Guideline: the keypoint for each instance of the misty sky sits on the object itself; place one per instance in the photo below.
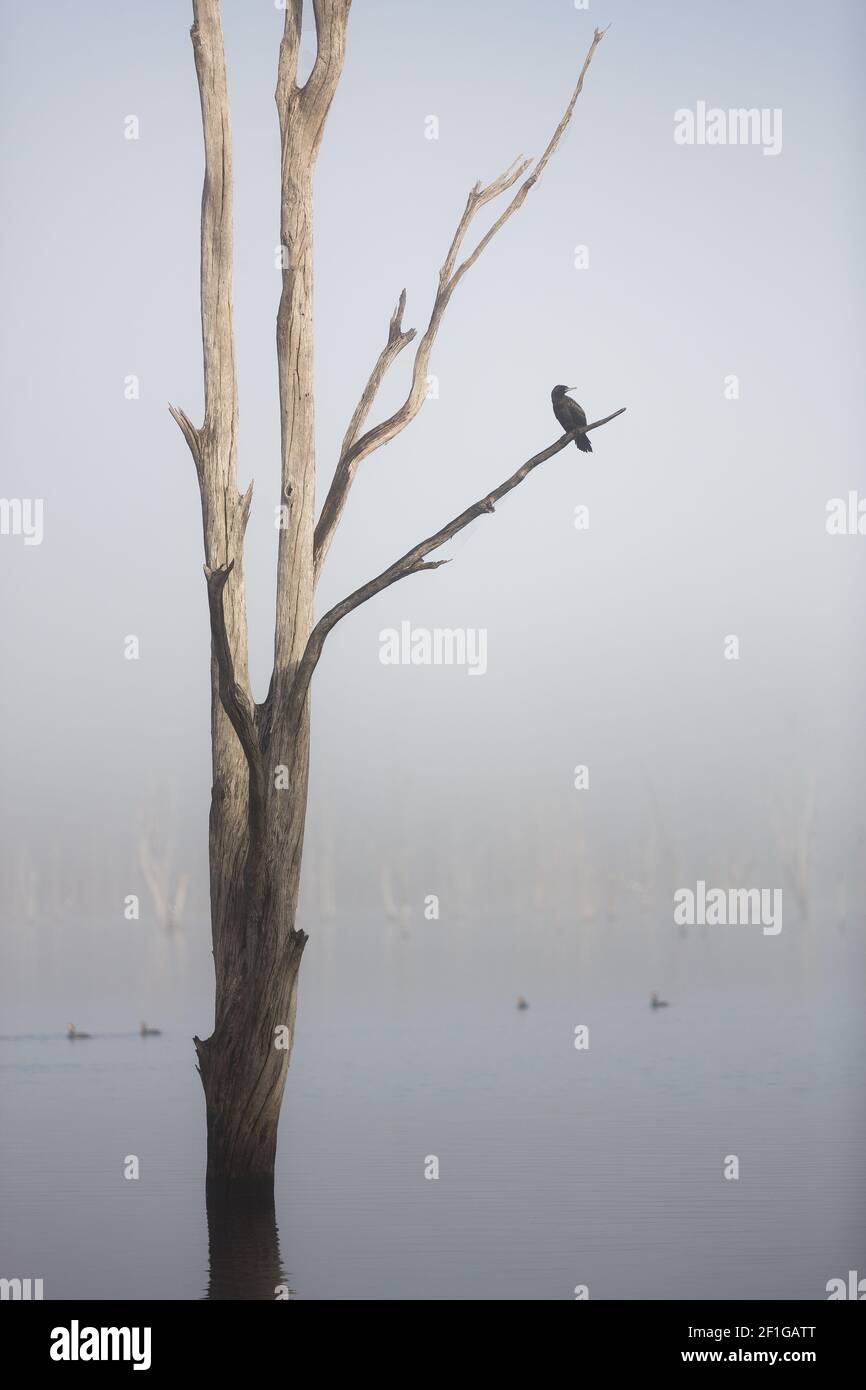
(707, 515)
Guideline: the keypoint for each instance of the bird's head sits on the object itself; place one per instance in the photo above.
(559, 391)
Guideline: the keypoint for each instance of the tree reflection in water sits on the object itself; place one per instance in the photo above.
(244, 1245)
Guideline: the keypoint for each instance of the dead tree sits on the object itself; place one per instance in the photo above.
(795, 838)
(260, 751)
(157, 844)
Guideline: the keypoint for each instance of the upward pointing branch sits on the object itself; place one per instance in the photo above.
(355, 449)
(235, 700)
(213, 444)
(217, 437)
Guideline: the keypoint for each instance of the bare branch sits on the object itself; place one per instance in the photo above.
(246, 503)
(290, 47)
(213, 445)
(190, 434)
(478, 197)
(397, 340)
(449, 278)
(520, 196)
(414, 561)
(241, 712)
(235, 700)
(310, 103)
(220, 382)
(331, 20)
(302, 115)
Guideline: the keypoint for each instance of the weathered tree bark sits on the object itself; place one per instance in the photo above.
(259, 795)
(260, 752)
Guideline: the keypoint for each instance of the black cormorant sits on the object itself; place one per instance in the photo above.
(570, 415)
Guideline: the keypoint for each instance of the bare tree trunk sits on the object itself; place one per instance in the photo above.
(244, 1062)
(261, 751)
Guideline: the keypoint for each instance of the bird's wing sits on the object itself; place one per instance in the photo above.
(569, 413)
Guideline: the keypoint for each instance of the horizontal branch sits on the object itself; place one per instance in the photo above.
(361, 446)
(414, 561)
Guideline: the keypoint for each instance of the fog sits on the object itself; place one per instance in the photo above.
(605, 646)
(640, 779)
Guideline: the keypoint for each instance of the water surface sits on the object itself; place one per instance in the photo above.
(557, 1166)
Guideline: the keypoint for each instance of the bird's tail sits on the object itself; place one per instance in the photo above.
(583, 443)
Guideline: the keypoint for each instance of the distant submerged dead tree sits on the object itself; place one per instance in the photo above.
(167, 884)
(795, 840)
(260, 751)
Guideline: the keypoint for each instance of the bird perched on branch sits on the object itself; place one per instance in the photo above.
(570, 415)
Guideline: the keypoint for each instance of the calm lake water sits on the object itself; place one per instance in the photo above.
(557, 1166)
